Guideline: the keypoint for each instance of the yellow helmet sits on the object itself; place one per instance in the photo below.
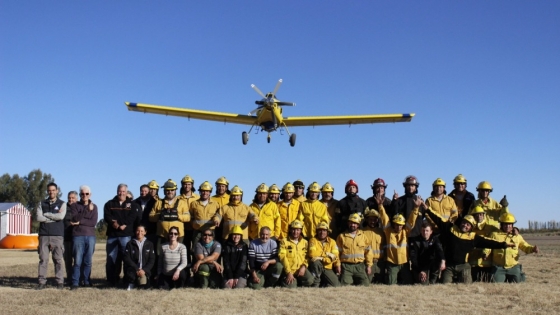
(355, 217)
(477, 210)
(484, 185)
(459, 179)
(327, 188)
(439, 182)
(236, 191)
(371, 213)
(323, 226)
(262, 188)
(507, 218)
(153, 184)
(222, 181)
(289, 188)
(236, 229)
(170, 185)
(296, 224)
(398, 219)
(469, 218)
(273, 189)
(314, 187)
(205, 186)
(187, 179)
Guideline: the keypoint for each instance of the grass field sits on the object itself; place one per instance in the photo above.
(539, 295)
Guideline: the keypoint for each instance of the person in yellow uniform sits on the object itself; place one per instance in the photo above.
(154, 189)
(396, 235)
(202, 211)
(268, 214)
(313, 211)
(481, 265)
(441, 204)
(463, 198)
(289, 209)
(170, 211)
(327, 198)
(235, 213)
(293, 256)
(376, 242)
(274, 193)
(187, 192)
(355, 255)
(491, 207)
(299, 188)
(322, 254)
(506, 261)
(222, 198)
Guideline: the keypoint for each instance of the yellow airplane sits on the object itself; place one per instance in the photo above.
(268, 116)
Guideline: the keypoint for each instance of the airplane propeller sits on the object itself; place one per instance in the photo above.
(269, 99)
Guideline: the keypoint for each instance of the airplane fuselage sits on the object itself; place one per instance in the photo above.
(269, 119)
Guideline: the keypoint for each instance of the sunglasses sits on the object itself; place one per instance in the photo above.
(84, 194)
(209, 235)
(174, 234)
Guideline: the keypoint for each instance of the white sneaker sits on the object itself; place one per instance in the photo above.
(130, 287)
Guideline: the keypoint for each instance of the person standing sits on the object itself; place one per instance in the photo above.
(202, 211)
(491, 207)
(405, 205)
(313, 211)
(235, 213)
(378, 188)
(267, 212)
(349, 205)
(120, 214)
(84, 220)
(68, 243)
(327, 198)
(441, 204)
(298, 193)
(170, 211)
(288, 208)
(463, 198)
(50, 215)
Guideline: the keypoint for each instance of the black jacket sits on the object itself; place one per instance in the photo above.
(131, 256)
(348, 206)
(144, 216)
(405, 205)
(124, 214)
(425, 254)
(235, 259)
(458, 244)
(468, 200)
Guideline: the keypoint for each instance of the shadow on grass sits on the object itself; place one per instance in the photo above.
(32, 282)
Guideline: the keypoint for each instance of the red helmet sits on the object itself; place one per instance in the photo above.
(411, 180)
(351, 183)
(378, 182)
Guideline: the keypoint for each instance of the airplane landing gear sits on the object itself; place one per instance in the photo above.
(268, 138)
(244, 137)
(293, 139)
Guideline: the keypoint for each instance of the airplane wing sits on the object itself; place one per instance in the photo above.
(191, 113)
(297, 121)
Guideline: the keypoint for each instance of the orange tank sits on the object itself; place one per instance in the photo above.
(20, 241)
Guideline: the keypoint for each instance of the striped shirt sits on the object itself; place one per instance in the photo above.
(260, 252)
(171, 260)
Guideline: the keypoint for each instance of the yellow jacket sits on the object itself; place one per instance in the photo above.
(477, 254)
(354, 249)
(508, 257)
(376, 241)
(446, 208)
(288, 213)
(331, 208)
(201, 215)
(301, 198)
(396, 249)
(193, 197)
(268, 216)
(493, 210)
(312, 212)
(231, 215)
(318, 248)
(164, 226)
(222, 200)
(292, 255)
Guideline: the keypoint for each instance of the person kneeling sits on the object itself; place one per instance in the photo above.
(172, 262)
(426, 256)
(139, 258)
(323, 254)
(235, 260)
(293, 252)
(207, 269)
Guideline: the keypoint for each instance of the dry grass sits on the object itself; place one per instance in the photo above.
(540, 294)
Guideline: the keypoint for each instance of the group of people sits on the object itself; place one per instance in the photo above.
(286, 237)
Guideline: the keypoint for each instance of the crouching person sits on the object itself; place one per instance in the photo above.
(323, 254)
(206, 268)
(293, 252)
(355, 254)
(139, 258)
(235, 260)
(426, 256)
(172, 262)
(506, 261)
(265, 269)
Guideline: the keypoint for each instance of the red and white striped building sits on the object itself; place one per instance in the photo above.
(14, 219)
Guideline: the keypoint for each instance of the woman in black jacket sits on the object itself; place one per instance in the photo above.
(139, 258)
(234, 255)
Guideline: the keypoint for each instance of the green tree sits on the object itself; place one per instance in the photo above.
(28, 190)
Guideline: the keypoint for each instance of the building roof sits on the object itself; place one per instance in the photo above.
(5, 206)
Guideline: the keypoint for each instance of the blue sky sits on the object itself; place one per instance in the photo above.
(483, 78)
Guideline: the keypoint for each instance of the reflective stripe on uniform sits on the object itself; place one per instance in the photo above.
(351, 256)
(396, 246)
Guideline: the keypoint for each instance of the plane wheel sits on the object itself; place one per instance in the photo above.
(244, 137)
(293, 139)
(268, 139)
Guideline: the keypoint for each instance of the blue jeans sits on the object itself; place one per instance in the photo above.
(115, 250)
(83, 254)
